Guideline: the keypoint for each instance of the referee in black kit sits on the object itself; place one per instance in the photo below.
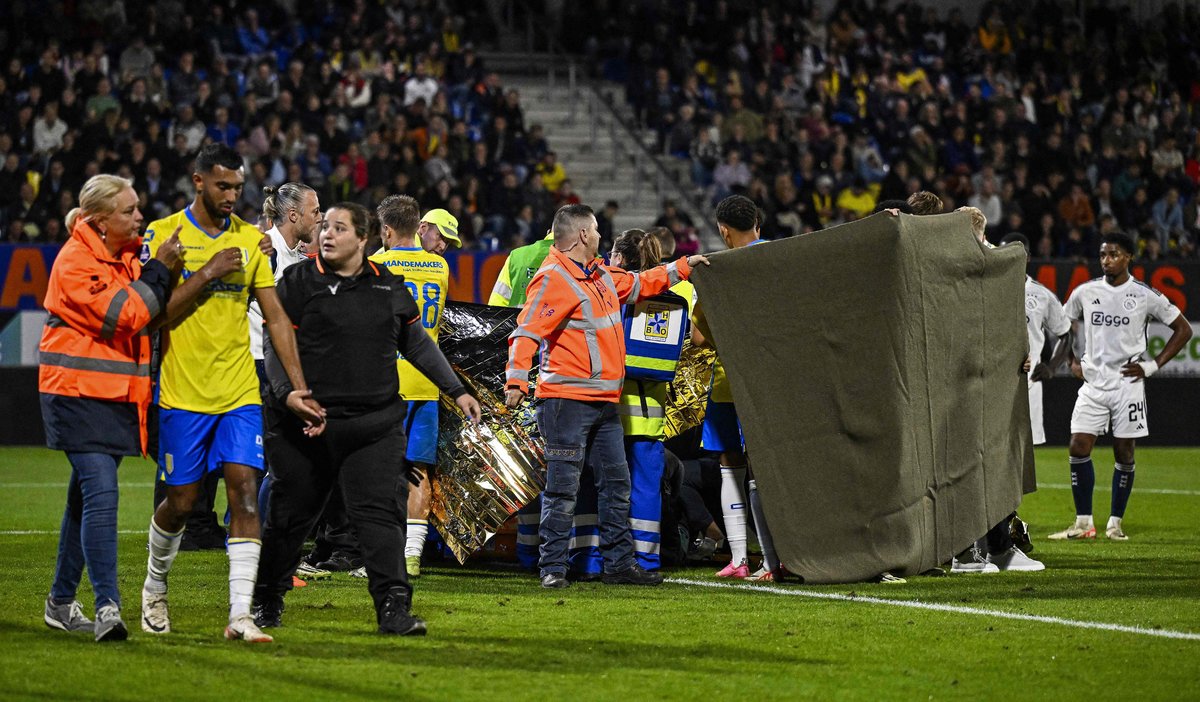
(351, 318)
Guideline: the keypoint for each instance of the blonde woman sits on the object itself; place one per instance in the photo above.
(94, 380)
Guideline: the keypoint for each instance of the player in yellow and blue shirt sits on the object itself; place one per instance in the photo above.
(738, 224)
(211, 416)
(412, 248)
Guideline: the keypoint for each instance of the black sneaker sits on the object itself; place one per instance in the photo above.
(268, 612)
(634, 575)
(395, 619)
(555, 581)
(340, 563)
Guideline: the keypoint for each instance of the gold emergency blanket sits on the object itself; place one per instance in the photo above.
(687, 394)
(487, 472)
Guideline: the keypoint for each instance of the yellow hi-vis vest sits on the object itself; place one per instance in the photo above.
(643, 408)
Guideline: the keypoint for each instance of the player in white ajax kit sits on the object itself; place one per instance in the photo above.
(1113, 312)
(1043, 315)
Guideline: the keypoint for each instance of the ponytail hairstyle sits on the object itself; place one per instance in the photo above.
(279, 201)
(98, 197)
(638, 249)
(666, 240)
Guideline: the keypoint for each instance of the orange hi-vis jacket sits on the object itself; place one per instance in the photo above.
(574, 317)
(96, 344)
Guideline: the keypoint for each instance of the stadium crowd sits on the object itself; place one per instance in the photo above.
(359, 100)
(1060, 126)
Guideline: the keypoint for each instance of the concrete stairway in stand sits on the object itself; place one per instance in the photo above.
(602, 158)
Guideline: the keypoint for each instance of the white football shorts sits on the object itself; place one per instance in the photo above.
(1124, 409)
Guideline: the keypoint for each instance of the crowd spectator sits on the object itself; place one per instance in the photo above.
(358, 100)
(1037, 116)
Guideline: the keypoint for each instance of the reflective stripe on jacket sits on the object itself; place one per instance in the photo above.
(643, 408)
(96, 344)
(574, 316)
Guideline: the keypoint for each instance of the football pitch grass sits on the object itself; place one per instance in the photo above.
(1104, 621)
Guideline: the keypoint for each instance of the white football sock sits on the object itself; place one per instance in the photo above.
(733, 509)
(415, 533)
(163, 548)
(1084, 521)
(1114, 523)
(243, 571)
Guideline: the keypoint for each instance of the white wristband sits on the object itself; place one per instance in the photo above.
(1148, 367)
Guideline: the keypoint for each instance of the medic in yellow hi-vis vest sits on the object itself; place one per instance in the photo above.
(654, 333)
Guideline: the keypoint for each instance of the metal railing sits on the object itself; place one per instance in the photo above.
(621, 129)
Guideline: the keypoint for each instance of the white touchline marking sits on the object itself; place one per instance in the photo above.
(1152, 491)
(63, 485)
(956, 609)
(44, 532)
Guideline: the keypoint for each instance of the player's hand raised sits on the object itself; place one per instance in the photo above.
(170, 252)
(223, 263)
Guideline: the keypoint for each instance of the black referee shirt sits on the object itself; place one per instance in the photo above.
(348, 331)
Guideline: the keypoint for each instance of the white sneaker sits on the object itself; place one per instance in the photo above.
(1115, 533)
(155, 618)
(66, 617)
(109, 626)
(1074, 533)
(1015, 559)
(762, 575)
(973, 560)
(359, 572)
(243, 628)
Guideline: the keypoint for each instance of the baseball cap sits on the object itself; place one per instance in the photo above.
(446, 223)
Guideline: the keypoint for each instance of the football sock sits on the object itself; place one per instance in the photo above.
(243, 570)
(1083, 481)
(764, 532)
(1122, 486)
(733, 509)
(163, 547)
(415, 533)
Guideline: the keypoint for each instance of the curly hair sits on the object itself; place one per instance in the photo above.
(738, 212)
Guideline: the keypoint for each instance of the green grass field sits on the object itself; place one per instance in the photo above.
(494, 634)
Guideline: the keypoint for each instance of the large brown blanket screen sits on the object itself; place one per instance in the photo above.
(876, 371)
